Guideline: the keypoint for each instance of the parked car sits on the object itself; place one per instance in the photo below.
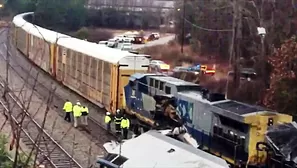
(112, 43)
(179, 69)
(125, 46)
(102, 42)
(158, 66)
(156, 35)
(138, 39)
(124, 38)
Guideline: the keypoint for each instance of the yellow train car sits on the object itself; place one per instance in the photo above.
(96, 72)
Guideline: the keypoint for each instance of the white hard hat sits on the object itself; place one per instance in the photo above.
(78, 103)
(107, 113)
(118, 110)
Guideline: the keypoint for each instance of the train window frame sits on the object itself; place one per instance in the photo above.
(167, 90)
(161, 85)
(152, 82)
(156, 83)
(119, 160)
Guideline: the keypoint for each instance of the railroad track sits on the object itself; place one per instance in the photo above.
(50, 153)
(22, 68)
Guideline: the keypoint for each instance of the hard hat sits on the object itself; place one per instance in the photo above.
(107, 113)
(118, 110)
(78, 103)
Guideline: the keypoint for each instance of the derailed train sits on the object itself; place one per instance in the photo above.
(99, 74)
(96, 72)
(227, 128)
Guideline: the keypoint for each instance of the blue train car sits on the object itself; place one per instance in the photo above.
(227, 128)
(143, 89)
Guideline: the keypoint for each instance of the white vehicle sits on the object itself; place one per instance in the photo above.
(159, 64)
(153, 149)
(112, 43)
(126, 48)
(102, 42)
(124, 38)
(157, 35)
(179, 68)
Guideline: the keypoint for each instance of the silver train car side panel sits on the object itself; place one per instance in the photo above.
(153, 149)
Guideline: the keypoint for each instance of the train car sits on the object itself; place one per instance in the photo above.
(227, 128)
(153, 149)
(96, 72)
(141, 91)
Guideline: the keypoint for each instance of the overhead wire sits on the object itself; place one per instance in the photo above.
(204, 28)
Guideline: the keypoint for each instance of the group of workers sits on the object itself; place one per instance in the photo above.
(122, 123)
(78, 111)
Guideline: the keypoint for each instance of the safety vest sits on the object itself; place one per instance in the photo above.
(117, 120)
(85, 109)
(107, 119)
(125, 123)
(67, 107)
(76, 111)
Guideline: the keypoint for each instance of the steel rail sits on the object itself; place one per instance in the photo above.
(57, 157)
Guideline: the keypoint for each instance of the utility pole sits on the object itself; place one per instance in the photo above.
(236, 41)
(7, 63)
(183, 27)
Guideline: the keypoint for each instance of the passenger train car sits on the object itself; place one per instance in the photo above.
(226, 128)
(96, 72)
(153, 149)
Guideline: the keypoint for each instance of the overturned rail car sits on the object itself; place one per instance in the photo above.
(153, 149)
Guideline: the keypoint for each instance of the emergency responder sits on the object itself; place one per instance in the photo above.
(125, 124)
(107, 120)
(84, 113)
(117, 120)
(68, 109)
(76, 113)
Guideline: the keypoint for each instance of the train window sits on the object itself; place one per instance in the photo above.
(152, 82)
(161, 85)
(188, 88)
(167, 90)
(110, 156)
(119, 160)
(234, 124)
(156, 84)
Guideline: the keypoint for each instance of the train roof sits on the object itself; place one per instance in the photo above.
(47, 35)
(163, 78)
(230, 108)
(137, 76)
(152, 149)
(104, 53)
(172, 80)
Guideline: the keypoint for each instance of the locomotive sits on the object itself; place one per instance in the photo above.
(226, 128)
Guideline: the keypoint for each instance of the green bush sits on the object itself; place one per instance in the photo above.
(82, 33)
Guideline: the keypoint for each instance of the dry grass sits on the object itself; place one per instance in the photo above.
(171, 54)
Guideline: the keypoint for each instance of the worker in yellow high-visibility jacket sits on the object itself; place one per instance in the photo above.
(125, 124)
(85, 113)
(107, 120)
(68, 110)
(76, 113)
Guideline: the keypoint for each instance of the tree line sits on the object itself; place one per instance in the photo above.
(209, 24)
(71, 15)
